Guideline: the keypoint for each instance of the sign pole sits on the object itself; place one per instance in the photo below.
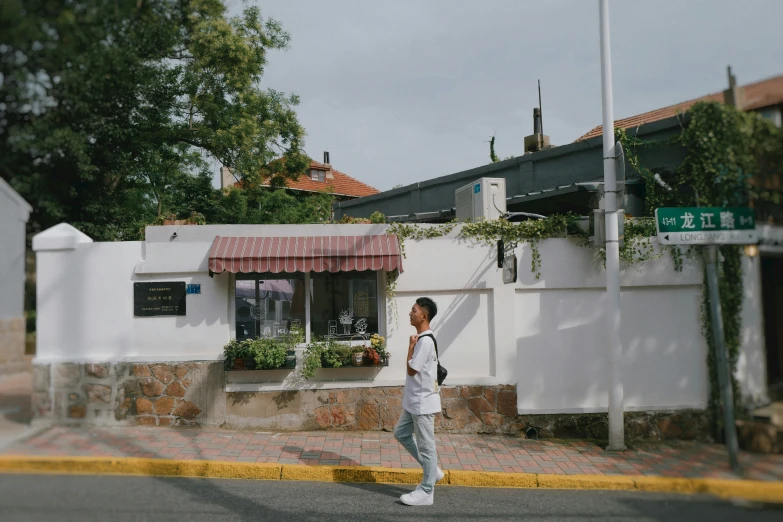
(727, 396)
(616, 420)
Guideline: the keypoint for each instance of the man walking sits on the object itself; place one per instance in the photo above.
(420, 403)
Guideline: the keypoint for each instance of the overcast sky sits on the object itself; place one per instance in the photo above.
(400, 91)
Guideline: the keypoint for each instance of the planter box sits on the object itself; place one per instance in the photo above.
(250, 365)
(384, 362)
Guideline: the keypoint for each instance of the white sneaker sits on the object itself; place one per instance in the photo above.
(418, 497)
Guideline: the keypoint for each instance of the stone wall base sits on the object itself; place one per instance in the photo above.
(465, 409)
(177, 394)
(150, 394)
(12, 345)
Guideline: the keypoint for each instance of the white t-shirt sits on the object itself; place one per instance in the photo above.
(422, 393)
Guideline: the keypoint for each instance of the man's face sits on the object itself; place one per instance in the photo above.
(417, 315)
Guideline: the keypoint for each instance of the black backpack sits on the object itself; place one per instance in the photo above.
(442, 372)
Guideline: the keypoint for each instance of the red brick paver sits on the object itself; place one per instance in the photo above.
(456, 452)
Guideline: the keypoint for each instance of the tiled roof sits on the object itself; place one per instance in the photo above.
(341, 185)
(756, 95)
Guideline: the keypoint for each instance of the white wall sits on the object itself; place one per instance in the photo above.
(546, 335)
(85, 309)
(13, 218)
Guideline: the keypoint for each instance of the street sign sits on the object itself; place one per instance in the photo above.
(705, 226)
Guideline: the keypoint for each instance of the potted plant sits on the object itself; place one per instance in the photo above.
(269, 354)
(337, 354)
(239, 355)
(378, 345)
(357, 355)
(312, 358)
(294, 337)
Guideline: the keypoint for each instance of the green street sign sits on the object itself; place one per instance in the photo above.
(705, 226)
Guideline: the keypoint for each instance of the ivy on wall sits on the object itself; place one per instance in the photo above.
(732, 159)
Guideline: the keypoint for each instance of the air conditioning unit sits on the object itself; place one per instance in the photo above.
(483, 199)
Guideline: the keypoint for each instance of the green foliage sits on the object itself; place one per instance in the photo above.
(377, 217)
(107, 107)
(268, 353)
(729, 153)
(733, 159)
(324, 353)
(492, 156)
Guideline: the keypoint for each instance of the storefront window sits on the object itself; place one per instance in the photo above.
(269, 306)
(342, 305)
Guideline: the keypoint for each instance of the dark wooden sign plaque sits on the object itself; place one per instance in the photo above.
(157, 299)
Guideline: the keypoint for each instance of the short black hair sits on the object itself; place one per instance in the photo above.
(429, 306)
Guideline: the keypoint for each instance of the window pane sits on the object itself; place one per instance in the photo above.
(267, 305)
(344, 304)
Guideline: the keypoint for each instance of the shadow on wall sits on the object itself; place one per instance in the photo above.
(564, 364)
(558, 375)
(451, 322)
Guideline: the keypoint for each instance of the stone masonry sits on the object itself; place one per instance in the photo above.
(188, 393)
(150, 394)
(12, 345)
(465, 409)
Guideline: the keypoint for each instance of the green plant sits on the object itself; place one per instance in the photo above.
(268, 353)
(312, 358)
(732, 159)
(338, 354)
(325, 353)
(378, 343)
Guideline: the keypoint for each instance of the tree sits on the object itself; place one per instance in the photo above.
(105, 106)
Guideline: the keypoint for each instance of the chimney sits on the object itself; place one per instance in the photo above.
(536, 141)
(227, 179)
(734, 95)
(328, 165)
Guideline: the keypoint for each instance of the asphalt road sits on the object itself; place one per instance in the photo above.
(78, 498)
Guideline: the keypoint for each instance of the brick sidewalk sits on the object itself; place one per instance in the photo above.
(456, 452)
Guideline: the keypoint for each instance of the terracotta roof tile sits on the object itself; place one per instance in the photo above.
(756, 95)
(341, 185)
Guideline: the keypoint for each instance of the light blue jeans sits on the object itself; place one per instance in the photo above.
(422, 448)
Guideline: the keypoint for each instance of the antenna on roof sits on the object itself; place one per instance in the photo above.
(539, 107)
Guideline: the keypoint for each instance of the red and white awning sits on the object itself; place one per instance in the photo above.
(305, 254)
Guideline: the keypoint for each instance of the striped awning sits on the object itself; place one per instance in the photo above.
(305, 254)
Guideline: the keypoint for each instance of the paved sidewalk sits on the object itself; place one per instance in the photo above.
(456, 452)
(15, 408)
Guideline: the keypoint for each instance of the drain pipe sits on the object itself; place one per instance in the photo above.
(616, 425)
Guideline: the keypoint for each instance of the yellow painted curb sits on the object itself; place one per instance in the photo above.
(667, 485)
(489, 479)
(141, 466)
(585, 482)
(752, 490)
(351, 474)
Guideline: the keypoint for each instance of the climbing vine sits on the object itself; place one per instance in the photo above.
(732, 159)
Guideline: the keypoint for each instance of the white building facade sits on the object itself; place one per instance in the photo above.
(522, 354)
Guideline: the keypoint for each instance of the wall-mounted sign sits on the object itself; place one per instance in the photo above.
(161, 298)
(510, 269)
(194, 289)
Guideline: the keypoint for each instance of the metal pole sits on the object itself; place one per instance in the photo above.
(616, 425)
(727, 395)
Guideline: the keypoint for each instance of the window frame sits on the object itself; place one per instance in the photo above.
(380, 278)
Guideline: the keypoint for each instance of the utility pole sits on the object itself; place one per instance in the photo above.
(727, 395)
(616, 421)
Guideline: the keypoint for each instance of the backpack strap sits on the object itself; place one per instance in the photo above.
(434, 341)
